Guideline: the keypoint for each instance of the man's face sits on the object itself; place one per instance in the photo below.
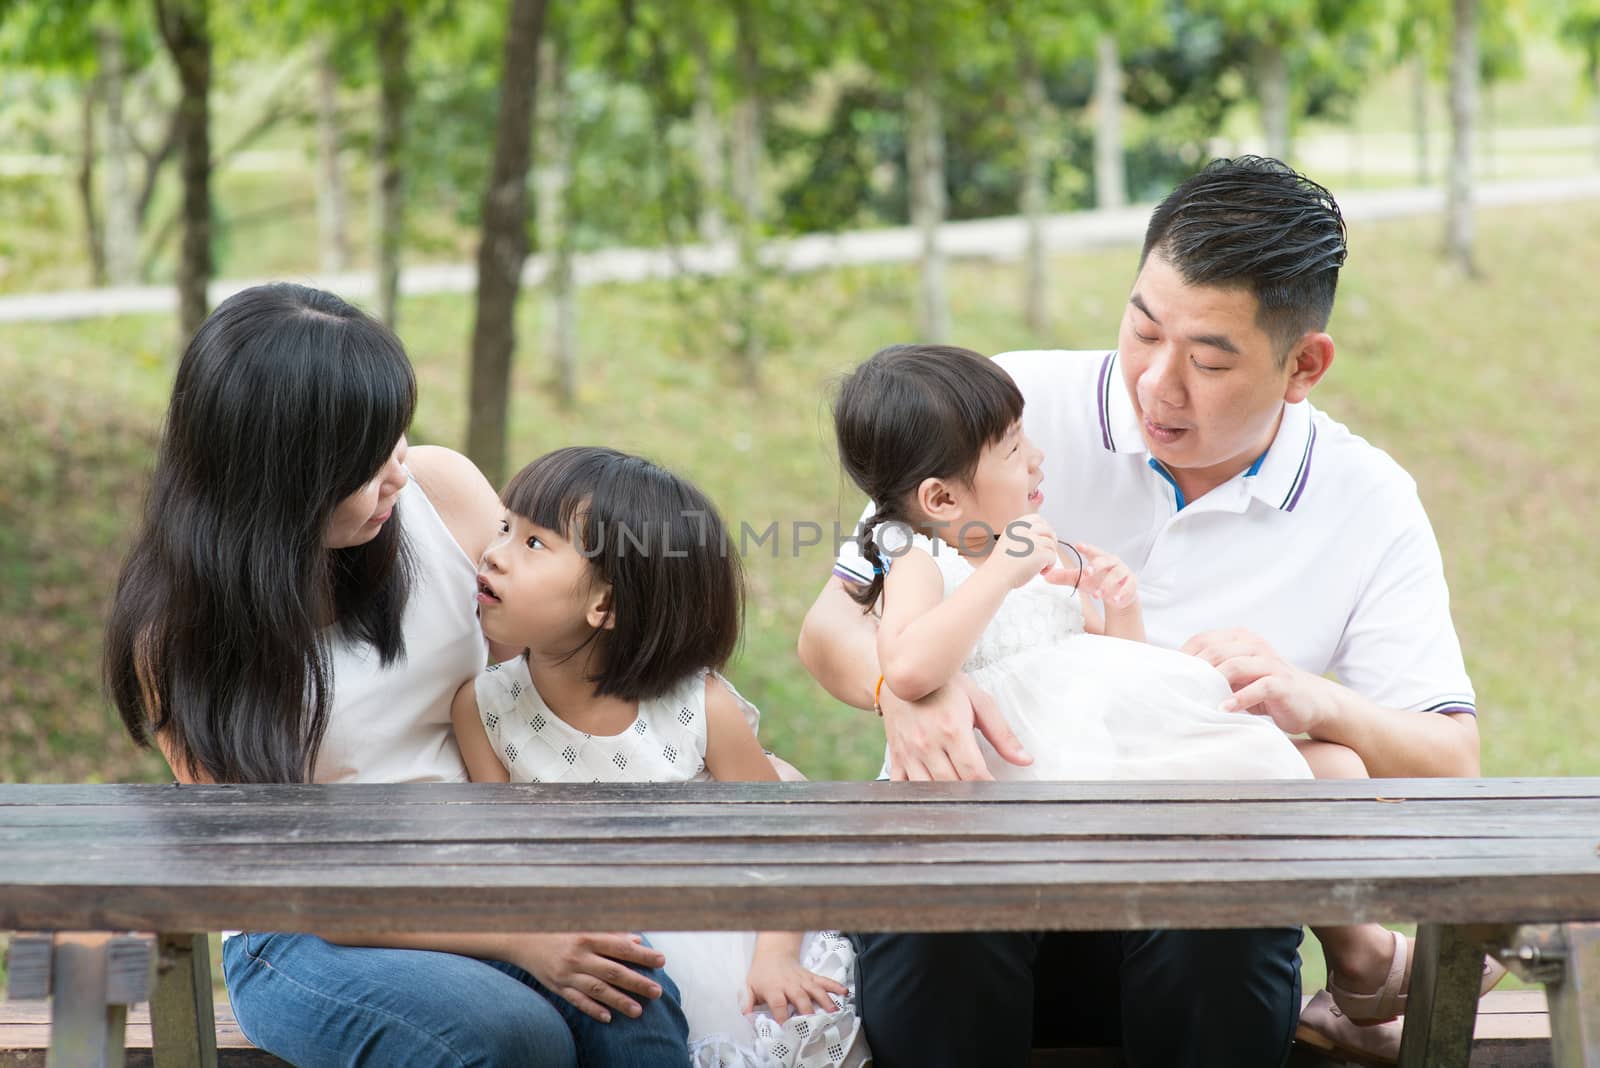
(1203, 376)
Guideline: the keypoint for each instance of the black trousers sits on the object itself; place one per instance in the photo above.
(1170, 999)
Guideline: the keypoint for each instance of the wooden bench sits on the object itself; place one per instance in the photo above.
(1472, 861)
(1513, 1031)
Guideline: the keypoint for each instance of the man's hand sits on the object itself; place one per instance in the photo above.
(931, 739)
(590, 970)
(1266, 684)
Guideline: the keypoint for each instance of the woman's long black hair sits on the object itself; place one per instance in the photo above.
(910, 413)
(286, 402)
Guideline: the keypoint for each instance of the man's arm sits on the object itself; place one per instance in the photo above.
(839, 645)
(1392, 742)
(927, 739)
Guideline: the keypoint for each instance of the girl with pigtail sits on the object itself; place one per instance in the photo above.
(968, 577)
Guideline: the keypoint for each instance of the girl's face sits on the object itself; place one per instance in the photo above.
(357, 519)
(536, 590)
(1005, 485)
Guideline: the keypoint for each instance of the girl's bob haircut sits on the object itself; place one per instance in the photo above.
(677, 587)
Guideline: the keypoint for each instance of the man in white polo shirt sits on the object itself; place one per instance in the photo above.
(1268, 539)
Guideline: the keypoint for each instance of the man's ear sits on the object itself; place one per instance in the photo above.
(599, 614)
(1308, 361)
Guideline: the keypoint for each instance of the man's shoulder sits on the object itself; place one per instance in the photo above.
(1362, 470)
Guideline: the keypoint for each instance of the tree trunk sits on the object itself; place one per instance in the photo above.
(121, 225)
(91, 214)
(1110, 170)
(504, 245)
(553, 173)
(332, 204)
(1272, 88)
(747, 193)
(707, 145)
(1035, 164)
(394, 92)
(1463, 109)
(188, 39)
(1419, 116)
(925, 171)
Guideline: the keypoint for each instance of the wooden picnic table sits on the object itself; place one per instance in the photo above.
(1474, 862)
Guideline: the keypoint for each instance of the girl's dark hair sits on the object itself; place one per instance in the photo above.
(677, 587)
(1255, 223)
(910, 413)
(286, 401)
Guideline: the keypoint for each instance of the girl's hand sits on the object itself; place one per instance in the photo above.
(1026, 548)
(780, 981)
(1107, 577)
(591, 970)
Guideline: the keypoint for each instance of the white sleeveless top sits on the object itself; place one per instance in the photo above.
(666, 742)
(392, 724)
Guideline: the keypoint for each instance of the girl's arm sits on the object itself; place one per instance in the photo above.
(476, 751)
(776, 978)
(924, 636)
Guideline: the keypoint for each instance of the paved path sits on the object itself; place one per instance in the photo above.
(999, 239)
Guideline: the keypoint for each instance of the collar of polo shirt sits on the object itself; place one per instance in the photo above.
(1278, 477)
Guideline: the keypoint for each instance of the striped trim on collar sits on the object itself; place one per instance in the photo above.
(1282, 475)
(1104, 400)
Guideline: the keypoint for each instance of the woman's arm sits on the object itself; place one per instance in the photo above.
(466, 502)
(839, 645)
(476, 751)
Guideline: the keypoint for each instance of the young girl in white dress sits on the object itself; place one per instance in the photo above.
(970, 578)
(620, 582)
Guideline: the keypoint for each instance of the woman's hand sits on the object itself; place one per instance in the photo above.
(779, 981)
(590, 970)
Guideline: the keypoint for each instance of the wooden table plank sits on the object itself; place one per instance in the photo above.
(916, 856)
(1128, 792)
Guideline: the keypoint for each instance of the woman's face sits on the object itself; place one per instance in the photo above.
(360, 516)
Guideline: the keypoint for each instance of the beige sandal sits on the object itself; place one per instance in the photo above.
(1323, 1027)
(1389, 1000)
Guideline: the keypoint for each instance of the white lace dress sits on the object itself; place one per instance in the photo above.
(1093, 707)
(667, 743)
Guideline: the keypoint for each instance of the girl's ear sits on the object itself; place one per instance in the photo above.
(598, 614)
(939, 500)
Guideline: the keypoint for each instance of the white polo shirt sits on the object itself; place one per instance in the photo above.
(1322, 547)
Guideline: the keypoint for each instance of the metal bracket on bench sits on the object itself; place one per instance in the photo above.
(1566, 959)
(91, 979)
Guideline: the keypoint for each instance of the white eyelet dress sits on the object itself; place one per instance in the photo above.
(667, 743)
(1090, 707)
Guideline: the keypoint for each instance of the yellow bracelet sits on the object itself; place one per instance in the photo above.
(877, 692)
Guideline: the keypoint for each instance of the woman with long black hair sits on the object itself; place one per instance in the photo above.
(298, 607)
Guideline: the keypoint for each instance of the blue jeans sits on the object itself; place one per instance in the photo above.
(314, 1003)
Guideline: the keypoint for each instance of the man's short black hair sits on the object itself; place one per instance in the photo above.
(1255, 223)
